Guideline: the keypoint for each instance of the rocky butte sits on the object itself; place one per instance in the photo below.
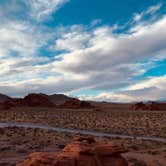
(43, 100)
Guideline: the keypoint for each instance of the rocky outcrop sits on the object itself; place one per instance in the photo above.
(38, 100)
(6, 105)
(82, 151)
(150, 106)
(3, 98)
(76, 104)
(59, 99)
(31, 100)
(43, 100)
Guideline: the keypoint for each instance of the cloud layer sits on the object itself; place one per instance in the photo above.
(40, 9)
(82, 57)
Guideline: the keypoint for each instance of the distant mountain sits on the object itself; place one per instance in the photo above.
(103, 105)
(59, 99)
(31, 100)
(43, 100)
(3, 98)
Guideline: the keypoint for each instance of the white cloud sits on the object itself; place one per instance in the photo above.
(74, 40)
(41, 9)
(20, 38)
(153, 9)
(144, 42)
(100, 59)
(149, 89)
(111, 60)
(96, 22)
(19, 44)
(110, 97)
(50, 85)
(36, 10)
(158, 82)
(150, 11)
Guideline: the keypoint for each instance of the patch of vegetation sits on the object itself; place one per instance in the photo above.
(136, 162)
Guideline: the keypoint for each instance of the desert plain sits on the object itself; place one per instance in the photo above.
(17, 143)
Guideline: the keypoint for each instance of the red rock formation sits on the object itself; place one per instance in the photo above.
(38, 100)
(31, 100)
(3, 98)
(150, 106)
(43, 100)
(59, 99)
(6, 105)
(76, 104)
(83, 151)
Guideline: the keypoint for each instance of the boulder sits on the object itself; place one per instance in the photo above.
(82, 151)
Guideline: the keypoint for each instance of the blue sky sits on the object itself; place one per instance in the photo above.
(95, 50)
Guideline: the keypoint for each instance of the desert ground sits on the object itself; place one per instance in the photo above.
(144, 123)
(17, 143)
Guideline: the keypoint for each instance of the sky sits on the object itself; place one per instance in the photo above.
(100, 50)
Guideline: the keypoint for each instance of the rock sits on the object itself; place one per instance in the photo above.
(31, 100)
(6, 105)
(3, 98)
(76, 104)
(59, 99)
(82, 151)
(150, 106)
(39, 100)
(43, 100)
(39, 159)
(61, 146)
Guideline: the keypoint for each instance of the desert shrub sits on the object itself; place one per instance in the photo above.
(2, 131)
(136, 162)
